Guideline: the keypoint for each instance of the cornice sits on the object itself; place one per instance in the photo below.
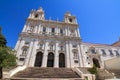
(51, 22)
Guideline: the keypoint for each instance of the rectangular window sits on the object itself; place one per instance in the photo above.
(41, 45)
(61, 47)
(75, 61)
(117, 53)
(44, 29)
(75, 55)
(31, 28)
(111, 53)
(74, 46)
(103, 52)
(27, 43)
(61, 31)
(53, 30)
(21, 59)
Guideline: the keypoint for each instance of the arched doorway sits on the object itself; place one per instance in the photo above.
(38, 60)
(96, 62)
(61, 60)
(50, 61)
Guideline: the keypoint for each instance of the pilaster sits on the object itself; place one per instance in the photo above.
(56, 58)
(19, 51)
(71, 55)
(82, 56)
(17, 44)
(45, 54)
(33, 55)
(36, 28)
(29, 53)
(79, 55)
(67, 55)
(24, 29)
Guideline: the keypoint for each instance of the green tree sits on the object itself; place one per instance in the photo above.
(7, 57)
(93, 70)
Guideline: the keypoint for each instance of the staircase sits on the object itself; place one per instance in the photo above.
(84, 70)
(37, 72)
(103, 74)
(116, 72)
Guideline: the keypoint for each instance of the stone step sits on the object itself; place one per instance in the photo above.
(37, 72)
(45, 79)
(116, 72)
(102, 74)
(84, 70)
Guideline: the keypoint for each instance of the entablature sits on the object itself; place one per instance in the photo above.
(48, 36)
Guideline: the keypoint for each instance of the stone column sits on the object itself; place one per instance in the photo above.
(45, 55)
(67, 56)
(56, 58)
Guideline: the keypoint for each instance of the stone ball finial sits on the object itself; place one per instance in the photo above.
(40, 9)
(68, 13)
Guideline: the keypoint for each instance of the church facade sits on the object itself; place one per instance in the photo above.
(48, 43)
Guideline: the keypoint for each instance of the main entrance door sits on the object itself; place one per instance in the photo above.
(96, 62)
(38, 60)
(61, 60)
(50, 61)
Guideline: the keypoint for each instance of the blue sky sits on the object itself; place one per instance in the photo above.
(99, 20)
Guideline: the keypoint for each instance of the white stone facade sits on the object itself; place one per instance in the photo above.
(48, 43)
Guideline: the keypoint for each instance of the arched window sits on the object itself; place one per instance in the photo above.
(93, 51)
(36, 15)
(70, 20)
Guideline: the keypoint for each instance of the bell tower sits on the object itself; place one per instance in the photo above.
(39, 14)
(68, 18)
